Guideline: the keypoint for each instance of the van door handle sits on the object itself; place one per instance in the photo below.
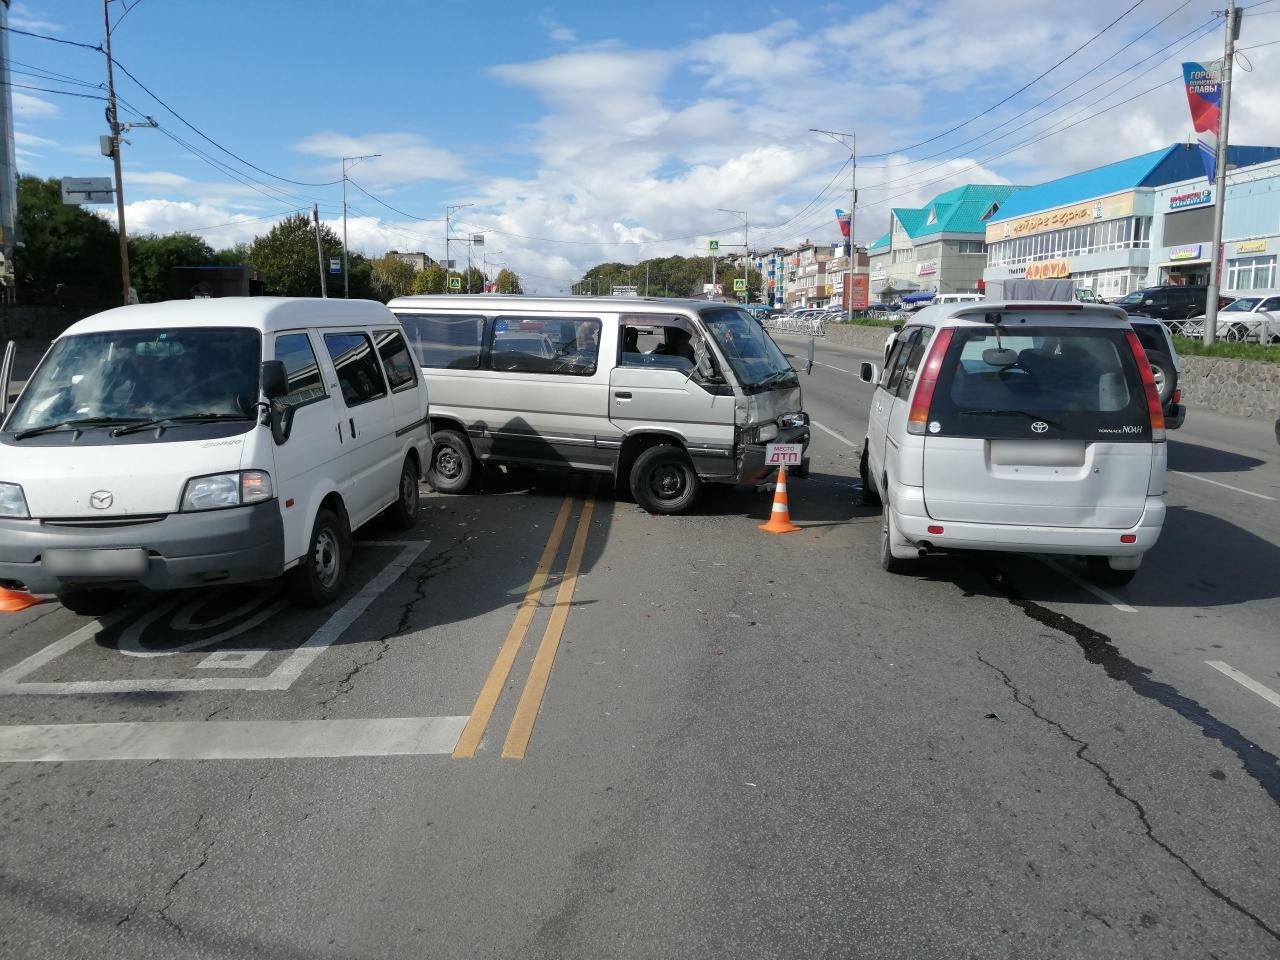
(352, 421)
(623, 395)
(339, 426)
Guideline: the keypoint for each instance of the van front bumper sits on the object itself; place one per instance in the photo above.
(913, 524)
(751, 466)
(236, 545)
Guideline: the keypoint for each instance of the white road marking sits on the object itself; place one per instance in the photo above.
(231, 660)
(230, 739)
(130, 642)
(1246, 681)
(832, 366)
(1086, 585)
(282, 678)
(841, 437)
(1218, 483)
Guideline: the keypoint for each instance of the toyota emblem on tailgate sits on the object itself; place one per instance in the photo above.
(1038, 427)
(100, 499)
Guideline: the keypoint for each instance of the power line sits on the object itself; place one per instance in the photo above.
(1000, 103)
(61, 93)
(43, 36)
(389, 206)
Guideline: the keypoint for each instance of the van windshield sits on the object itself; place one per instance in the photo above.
(1054, 383)
(755, 358)
(142, 375)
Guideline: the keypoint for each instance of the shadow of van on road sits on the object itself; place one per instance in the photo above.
(1194, 458)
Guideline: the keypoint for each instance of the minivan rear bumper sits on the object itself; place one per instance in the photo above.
(237, 545)
(913, 524)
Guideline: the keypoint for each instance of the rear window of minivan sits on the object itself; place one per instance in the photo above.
(1067, 383)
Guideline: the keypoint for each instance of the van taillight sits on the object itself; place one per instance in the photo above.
(919, 415)
(1154, 409)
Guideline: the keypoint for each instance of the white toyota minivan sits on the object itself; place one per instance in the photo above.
(1025, 427)
(214, 441)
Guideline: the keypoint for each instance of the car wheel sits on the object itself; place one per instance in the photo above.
(452, 463)
(1165, 373)
(317, 580)
(1237, 333)
(1101, 571)
(403, 514)
(888, 535)
(868, 496)
(91, 602)
(663, 480)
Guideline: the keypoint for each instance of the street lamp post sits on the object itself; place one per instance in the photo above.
(746, 251)
(448, 212)
(850, 141)
(347, 163)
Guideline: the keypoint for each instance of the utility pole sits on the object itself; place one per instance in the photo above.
(315, 216)
(448, 212)
(346, 266)
(1233, 15)
(850, 141)
(646, 278)
(746, 255)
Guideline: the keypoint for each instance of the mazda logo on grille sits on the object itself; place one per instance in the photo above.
(1039, 426)
(101, 499)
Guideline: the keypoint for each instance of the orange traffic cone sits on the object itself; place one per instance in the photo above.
(780, 519)
(11, 601)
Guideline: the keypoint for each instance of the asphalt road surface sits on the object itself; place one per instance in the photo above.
(547, 724)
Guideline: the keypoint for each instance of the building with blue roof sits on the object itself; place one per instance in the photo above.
(939, 247)
(1096, 226)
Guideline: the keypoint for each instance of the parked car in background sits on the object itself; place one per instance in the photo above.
(1168, 303)
(1252, 316)
(1166, 366)
(1018, 427)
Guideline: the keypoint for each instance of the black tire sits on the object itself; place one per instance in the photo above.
(1101, 571)
(91, 602)
(318, 579)
(888, 562)
(403, 514)
(663, 480)
(452, 463)
(868, 496)
(1166, 374)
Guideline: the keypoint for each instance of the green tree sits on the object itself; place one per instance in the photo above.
(286, 259)
(508, 282)
(430, 280)
(70, 257)
(362, 285)
(233, 256)
(392, 277)
(473, 280)
(152, 259)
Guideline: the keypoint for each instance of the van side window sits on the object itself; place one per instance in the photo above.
(893, 366)
(300, 367)
(395, 359)
(359, 373)
(444, 341)
(570, 347)
(918, 350)
(667, 344)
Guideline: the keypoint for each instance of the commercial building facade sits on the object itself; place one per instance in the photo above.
(1099, 227)
(937, 248)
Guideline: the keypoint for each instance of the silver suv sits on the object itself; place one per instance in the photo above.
(1021, 427)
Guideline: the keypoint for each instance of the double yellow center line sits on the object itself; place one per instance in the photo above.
(535, 687)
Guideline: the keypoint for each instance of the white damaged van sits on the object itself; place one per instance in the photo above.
(216, 441)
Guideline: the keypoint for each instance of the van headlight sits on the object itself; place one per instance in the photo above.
(766, 432)
(221, 490)
(789, 420)
(12, 501)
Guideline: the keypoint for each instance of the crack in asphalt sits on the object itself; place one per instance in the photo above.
(171, 895)
(438, 563)
(1139, 809)
(1260, 764)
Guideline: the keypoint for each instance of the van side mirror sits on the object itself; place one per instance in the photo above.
(274, 380)
(869, 373)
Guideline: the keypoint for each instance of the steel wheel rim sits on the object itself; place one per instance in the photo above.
(667, 481)
(409, 489)
(327, 558)
(448, 463)
(1158, 374)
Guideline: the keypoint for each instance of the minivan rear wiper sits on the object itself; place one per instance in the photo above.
(1012, 413)
(185, 418)
(81, 422)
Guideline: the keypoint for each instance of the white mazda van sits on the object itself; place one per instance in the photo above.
(1026, 427)
(216, 441)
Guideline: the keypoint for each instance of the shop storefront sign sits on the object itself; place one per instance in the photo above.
(1196, 198)
(927, 269)
(1189, 251)
(1107, 208)
(1251, 246)
(1049, 270)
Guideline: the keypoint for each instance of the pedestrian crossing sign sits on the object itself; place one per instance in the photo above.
(713, 246)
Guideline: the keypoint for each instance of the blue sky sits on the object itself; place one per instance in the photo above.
(583, 132)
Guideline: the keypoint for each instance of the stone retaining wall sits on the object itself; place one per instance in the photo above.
(1237, 388)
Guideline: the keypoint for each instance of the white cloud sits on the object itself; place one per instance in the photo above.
(26, 107)
(219, 226)
(24, 139)
(406, 158)
(21, 17)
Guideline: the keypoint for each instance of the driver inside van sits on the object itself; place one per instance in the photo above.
(676, 344)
